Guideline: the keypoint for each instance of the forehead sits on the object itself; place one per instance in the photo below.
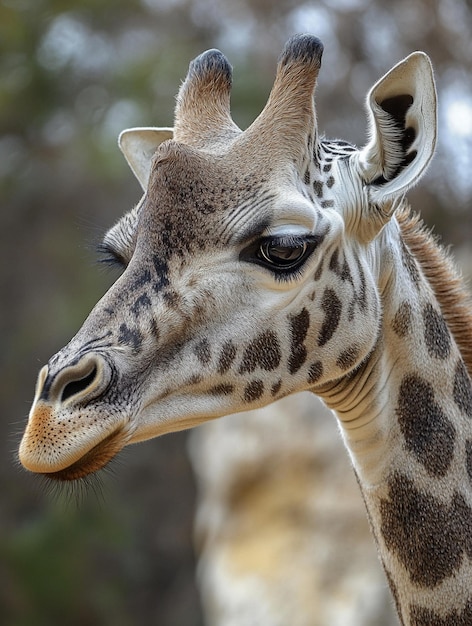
(194, 197)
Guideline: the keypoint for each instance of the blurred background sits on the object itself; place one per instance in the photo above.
(73, 74)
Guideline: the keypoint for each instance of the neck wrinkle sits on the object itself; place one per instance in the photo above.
(361, 402)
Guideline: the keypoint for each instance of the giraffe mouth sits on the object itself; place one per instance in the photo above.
(93, 460)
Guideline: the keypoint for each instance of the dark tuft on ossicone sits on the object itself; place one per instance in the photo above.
(302, 49)
(214, 64)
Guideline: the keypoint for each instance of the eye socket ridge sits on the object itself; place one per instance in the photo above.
(281, 253)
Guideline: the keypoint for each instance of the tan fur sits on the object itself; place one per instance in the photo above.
(202, 115)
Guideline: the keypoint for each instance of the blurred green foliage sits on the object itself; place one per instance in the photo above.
(49, 564)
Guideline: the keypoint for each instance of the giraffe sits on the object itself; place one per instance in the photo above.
(268, 261)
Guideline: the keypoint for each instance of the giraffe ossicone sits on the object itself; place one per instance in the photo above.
(268, 261)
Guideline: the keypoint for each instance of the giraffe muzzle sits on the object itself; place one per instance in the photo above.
(67, 435)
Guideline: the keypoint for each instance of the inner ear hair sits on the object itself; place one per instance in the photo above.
(397, 133)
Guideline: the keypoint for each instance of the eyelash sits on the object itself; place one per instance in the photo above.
(110, 257)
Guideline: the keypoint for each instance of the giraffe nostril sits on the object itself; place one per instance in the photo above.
(75, 387)
(84, 380)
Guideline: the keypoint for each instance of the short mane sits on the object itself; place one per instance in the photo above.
(444, 278)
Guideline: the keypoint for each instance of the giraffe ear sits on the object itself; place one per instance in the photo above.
(139, 145)
(403, 126)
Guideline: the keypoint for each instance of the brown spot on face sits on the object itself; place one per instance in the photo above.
(223, 389)
(253, 390)
(130, 337)
(227, 356)
(203, 351)
(154, 329)
(332, 306)
(141, 303)
(318, 188)
(140, 279)
(429, 435)
(299, 325)
(348, 358)
(422, 616)
(436, 333)
(330, 182)
(463, 389)
(341, 270)
(276, 388)
(263, 352)
(319, 271)
(427, 536)
(161, 269)
(307, 177)
(401, 323)
(315, 372)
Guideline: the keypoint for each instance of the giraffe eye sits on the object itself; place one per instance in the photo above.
(281, 255)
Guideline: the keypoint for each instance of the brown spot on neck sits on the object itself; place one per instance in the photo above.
(429, 435)
(428, 536)
(423, 616)
(440, 272)
(401, 323)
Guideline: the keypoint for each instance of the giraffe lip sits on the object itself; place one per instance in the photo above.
(93, 460)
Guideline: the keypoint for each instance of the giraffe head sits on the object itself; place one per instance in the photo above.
(249, 266)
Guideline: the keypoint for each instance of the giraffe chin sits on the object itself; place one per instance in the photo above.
(92, 461)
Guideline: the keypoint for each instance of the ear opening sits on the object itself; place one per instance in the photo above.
(402, 116)
(138, 146)
(398, 137)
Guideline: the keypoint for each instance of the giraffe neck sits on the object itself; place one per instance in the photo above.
(406, 418)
